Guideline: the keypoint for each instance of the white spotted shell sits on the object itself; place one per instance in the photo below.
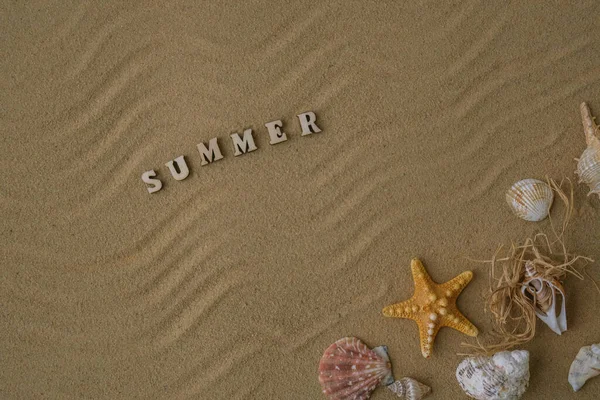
(585, 366)
(588, 165)
(530, 199)
(350, 370)
(504, 376)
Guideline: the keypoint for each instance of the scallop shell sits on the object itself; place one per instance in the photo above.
(504, 376)
(548, 298)
(530, 199)
(588, 165)
(585, 366)
(349, 370)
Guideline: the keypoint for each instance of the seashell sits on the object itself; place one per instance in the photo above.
(588, 165)
(349, 370)
(410, 389)
(530, 199)
(585, 366)
(504, 376)
(548, 298)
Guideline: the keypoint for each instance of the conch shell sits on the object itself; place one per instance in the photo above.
(349, 370)
(504, 376)
(530, 199)
(588, 165)
(409, 389)
(585, 366)
(547, 296)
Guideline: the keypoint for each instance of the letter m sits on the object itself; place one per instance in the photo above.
(210, 154)
(243, 145)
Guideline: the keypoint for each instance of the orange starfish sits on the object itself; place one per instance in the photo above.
(433, 306)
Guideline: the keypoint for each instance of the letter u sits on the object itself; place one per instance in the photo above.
(178, 168)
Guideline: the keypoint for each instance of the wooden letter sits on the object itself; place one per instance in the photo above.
(210, 154)
(307, 122)
(156, 183)
(243, 145)
(274, 129)
(178, 168)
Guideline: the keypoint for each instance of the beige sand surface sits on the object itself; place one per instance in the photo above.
(231, 283)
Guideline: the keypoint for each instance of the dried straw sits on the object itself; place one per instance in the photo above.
(513, 312)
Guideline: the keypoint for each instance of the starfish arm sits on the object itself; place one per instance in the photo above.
(427, 332)
(456, 320)
(405, 309)
(420, 275)
(456, 285)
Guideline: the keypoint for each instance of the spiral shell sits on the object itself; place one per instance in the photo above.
(504, 376)
(585, 366)
(548, 298)
(588, 165)
(409, 389)
(530, 199)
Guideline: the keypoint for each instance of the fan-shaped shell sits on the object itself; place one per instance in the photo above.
(585, 366)
(530, 199)
(504, 376)
(349, 370)
(588, 165)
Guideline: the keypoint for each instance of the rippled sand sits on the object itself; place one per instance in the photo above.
(231, 283)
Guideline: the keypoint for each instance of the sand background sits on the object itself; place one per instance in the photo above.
(231, 283)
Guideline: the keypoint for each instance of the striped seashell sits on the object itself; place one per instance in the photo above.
(504, 376)
(585, 366)
(349, 370)
(530, 199)
(409, 389)
(588, 165)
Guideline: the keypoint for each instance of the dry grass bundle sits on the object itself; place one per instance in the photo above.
(513, 312)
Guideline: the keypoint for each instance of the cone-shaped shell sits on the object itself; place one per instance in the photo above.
(588, 165)
(547, 297)
(409, 389)
(504, 376)
(585, 366)
(350, 370)
(530, 199)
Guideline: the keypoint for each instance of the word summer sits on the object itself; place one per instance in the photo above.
(241, 145)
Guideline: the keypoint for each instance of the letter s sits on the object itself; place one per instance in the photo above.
(156, 183)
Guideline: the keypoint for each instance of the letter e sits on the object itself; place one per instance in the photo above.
(274, 129)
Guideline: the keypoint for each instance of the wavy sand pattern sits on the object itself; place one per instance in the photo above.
(231, 283)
